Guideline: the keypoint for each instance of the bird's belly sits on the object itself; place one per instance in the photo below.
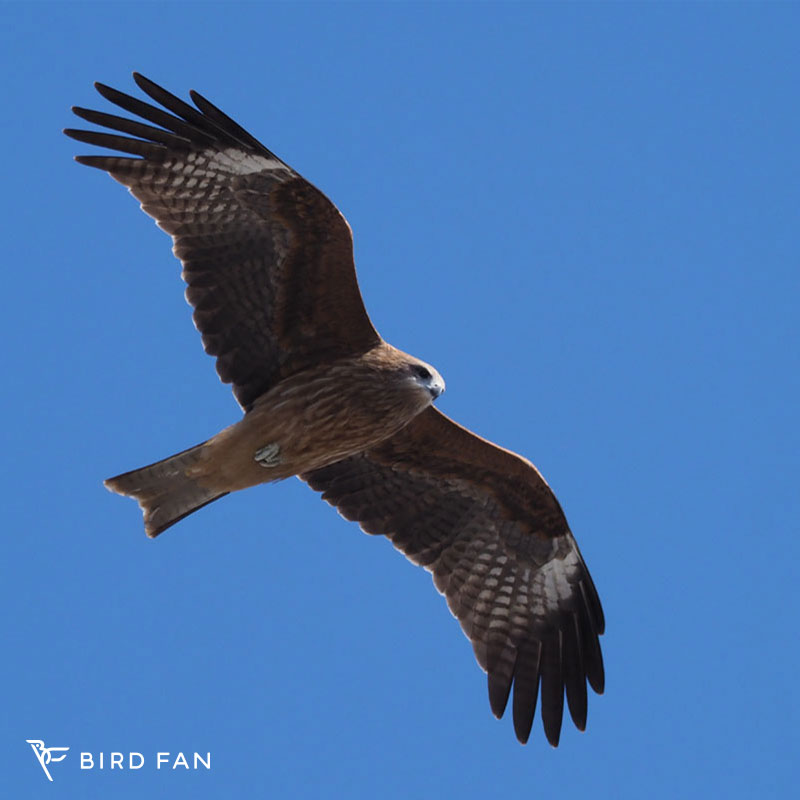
(309, 433)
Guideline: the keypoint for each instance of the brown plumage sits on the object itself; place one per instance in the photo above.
(268, 262)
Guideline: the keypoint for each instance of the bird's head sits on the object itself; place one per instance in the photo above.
(427, 378)
(413, 384)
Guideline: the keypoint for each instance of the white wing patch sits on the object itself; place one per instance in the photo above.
(240, 163)
(196, 171)
(552, 581)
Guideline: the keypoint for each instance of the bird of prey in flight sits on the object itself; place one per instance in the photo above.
(268, 263)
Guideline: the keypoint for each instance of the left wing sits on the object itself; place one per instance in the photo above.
(485, 523)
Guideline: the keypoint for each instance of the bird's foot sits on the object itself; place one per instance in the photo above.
(269, 455)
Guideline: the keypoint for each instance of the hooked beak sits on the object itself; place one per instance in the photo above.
(436, 388)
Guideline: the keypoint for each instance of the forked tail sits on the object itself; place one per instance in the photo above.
(164, 491)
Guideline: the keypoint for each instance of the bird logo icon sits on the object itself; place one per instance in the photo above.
(46, 755)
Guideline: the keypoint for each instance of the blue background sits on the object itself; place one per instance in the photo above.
(586, 217)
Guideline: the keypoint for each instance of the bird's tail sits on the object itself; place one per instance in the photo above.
(164, 491)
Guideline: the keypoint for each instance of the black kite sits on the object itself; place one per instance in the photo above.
(268, 261)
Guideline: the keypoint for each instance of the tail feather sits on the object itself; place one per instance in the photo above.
(164, 491)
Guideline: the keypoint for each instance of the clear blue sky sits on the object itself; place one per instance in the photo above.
(586, 216)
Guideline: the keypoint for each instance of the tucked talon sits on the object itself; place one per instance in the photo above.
(269, 455)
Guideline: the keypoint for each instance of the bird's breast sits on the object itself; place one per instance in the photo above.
(304, 423)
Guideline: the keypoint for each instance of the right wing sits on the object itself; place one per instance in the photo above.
(268, 259)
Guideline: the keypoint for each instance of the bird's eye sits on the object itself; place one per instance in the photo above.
(423, 372)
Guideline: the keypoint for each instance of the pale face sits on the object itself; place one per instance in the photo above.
(426, 378)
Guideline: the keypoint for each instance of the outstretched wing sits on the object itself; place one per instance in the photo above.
(488, 527)
(268, 259)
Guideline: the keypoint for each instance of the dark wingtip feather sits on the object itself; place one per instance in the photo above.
(170, 101)
(596, 671)
(522, 730)
(104, 90)
(124, 144)
(142, 82)
(526, 689)
(552, 682)
(106, 163)
(160, 94)
(575, 674)
(499, 690)
(552, 727)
